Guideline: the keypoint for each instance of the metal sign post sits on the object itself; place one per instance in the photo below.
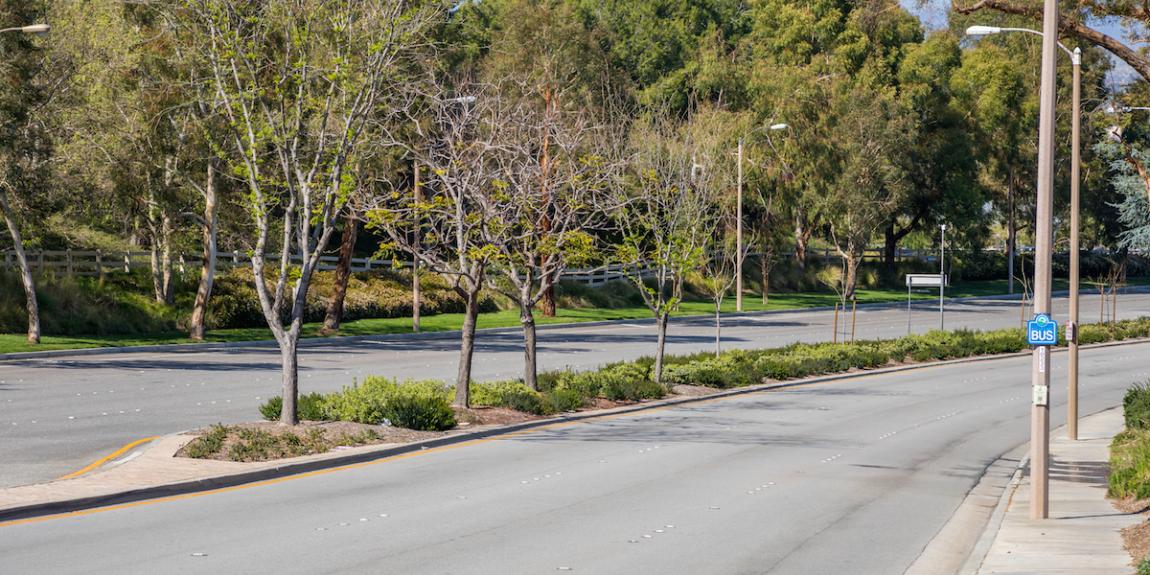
(924, 281)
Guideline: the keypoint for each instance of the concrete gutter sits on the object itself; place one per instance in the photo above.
(332, 341)
(320, 462)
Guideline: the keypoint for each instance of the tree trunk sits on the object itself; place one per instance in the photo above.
(890, 248)
(290, 362)
(25, 271)
(718, 328)
(166, 261)
(197, 324)
(547, 305)
(154, 260)
(467, 347)
(661, 324)
(800, 248)
(851, 278)
(765, 270)
(334, 314)
(530, 367)
(1011, 235)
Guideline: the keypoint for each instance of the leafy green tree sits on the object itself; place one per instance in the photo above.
(300, 84)
(25, 145)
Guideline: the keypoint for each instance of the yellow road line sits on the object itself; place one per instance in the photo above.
(108, 457)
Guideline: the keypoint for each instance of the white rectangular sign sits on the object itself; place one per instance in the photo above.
(924, 280)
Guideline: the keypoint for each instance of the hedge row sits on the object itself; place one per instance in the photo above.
(426, 404)
(421, 405)
(1130, 450)
(569, 390)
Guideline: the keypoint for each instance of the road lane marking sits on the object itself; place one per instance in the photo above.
(107, 458)
(461, 444)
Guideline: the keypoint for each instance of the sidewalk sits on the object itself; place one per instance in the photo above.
(1082, 535)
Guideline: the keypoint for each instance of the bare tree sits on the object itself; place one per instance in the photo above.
(458, 138)
(665, 219)
(298, 81)
(717, 273)
(546, 232)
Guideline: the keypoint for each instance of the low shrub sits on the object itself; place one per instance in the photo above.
(729, 370)
(1136, 406)
(1130, 464)
(510, 394)
(309, 407)
(562, 400)
(207, 444)
(419, 405)
(423, 406)
(632, 389)
(364, 402)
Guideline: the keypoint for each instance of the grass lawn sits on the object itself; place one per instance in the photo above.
(10, 343)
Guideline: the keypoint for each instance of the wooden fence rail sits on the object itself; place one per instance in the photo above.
(99, 263)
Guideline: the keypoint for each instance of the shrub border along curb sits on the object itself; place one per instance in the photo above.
(314, 342)
(303, 467)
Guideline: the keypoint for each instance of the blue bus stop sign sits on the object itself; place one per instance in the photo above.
(1041, 330)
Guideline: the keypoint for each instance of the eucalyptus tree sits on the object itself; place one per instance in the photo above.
(300, 83)
(25, 146)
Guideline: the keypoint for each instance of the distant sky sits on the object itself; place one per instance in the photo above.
(933, 15)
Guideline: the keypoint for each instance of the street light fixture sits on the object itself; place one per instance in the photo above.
(1040, 363)
(739, 222)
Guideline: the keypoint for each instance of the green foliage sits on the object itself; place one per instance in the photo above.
(207, 444)
(632, 390)
(1144, 567)
(309, 407)
(1117, 331)
(1136, 406)
(1130, 464)
(423, 406)
(81, 306)
(563, 400)
(419, 405)
(376, 294)
(510, 394)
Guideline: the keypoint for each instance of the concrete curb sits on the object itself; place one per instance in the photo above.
(302, 467)
(319, 342)
(990, 531)
(982, 545)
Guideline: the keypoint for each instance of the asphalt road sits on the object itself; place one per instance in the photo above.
(852, 477)
(57, 415)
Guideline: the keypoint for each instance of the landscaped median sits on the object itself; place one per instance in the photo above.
(383, 410)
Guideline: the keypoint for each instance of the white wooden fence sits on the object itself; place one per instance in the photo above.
(98, 263)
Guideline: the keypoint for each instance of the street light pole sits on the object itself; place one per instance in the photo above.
(1072, 322)
(942, 279)
(1040, 365)
(739, 220)
(739, 235)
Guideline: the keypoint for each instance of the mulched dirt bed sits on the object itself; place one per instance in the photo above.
(268, 440)
(694, 390)
(1135, 538)
(265, 440)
